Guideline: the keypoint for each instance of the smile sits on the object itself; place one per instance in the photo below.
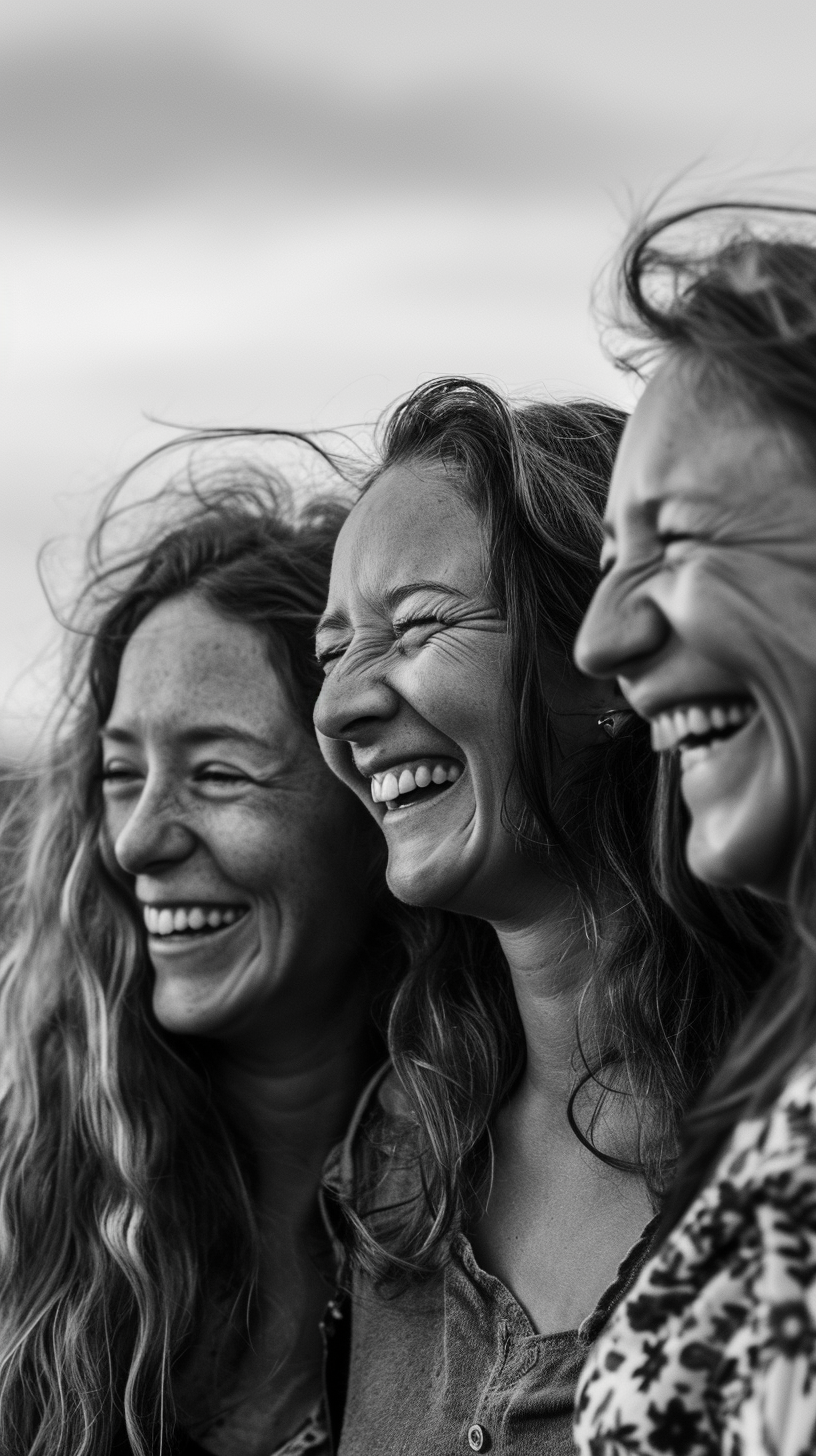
(190, 920)
(417, 781)
(697, 728)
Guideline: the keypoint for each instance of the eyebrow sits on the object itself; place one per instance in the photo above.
(202, 733)
(392, 598)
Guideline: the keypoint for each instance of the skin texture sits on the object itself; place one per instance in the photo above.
(709, 596)
(216, 792)
(415, 658)
(415, 671)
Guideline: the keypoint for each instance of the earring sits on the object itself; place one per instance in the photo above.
(613, 721)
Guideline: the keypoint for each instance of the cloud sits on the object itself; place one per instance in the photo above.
(103, 122)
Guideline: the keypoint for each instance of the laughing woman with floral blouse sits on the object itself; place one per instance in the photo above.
(707, 617)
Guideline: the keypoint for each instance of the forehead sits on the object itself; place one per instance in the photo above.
(186, 664)
(678, 444)
(413, 524)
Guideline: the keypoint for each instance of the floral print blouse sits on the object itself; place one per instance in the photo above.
(713, 1350)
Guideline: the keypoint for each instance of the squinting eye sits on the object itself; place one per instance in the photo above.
(327, 656)
(118, 773)
(220, 776)
(408, 623)
(667, 539)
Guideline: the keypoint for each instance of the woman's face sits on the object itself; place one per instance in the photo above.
(707, 616)
(415, 713)
(250, 861)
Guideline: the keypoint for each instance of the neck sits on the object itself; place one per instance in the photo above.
(296, 1100)
(551, 965)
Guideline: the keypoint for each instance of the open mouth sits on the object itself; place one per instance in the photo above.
(418, 781)
(191, 921)
(697, 729)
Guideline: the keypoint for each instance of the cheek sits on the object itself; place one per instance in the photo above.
(464, 693)
(315, 847)
(250, 851)
(742, 607)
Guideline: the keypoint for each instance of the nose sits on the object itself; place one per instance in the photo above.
(154, 834)
(620, 629)
(352, 702)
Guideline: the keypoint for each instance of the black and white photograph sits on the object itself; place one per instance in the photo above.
(408, 728)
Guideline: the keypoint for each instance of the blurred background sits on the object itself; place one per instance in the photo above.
(265, 212)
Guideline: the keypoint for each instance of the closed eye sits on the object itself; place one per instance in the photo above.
(667, 539)
(220, 774)
(407, 623)
(327, 655)
(119, 773)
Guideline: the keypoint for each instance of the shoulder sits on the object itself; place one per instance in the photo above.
(765, 1178)
(720, 1327)
(778, 1144)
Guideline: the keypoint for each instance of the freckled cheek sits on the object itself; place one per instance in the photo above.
(297, 855)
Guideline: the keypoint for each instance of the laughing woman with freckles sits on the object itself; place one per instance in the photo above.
(190, 920)
(707, 618)
(497, 1189)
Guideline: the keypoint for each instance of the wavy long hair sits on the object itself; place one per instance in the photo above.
(736, 298)
(125, 1196)
(667, 992)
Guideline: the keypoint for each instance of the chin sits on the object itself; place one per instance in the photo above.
(757, 862)
(426, 887)
(179, 1012)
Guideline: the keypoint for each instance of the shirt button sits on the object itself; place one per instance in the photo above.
(477, 1438)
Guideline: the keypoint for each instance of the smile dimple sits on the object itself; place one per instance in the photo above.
(698, 726)
(414, 780)
(203, 919)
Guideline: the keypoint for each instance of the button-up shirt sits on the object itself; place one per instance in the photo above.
(452, 1363)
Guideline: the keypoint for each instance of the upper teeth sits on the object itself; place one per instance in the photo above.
(169, 921)
(404, 778)
(669, 729)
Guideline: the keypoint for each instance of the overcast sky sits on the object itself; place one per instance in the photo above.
(289, 214)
